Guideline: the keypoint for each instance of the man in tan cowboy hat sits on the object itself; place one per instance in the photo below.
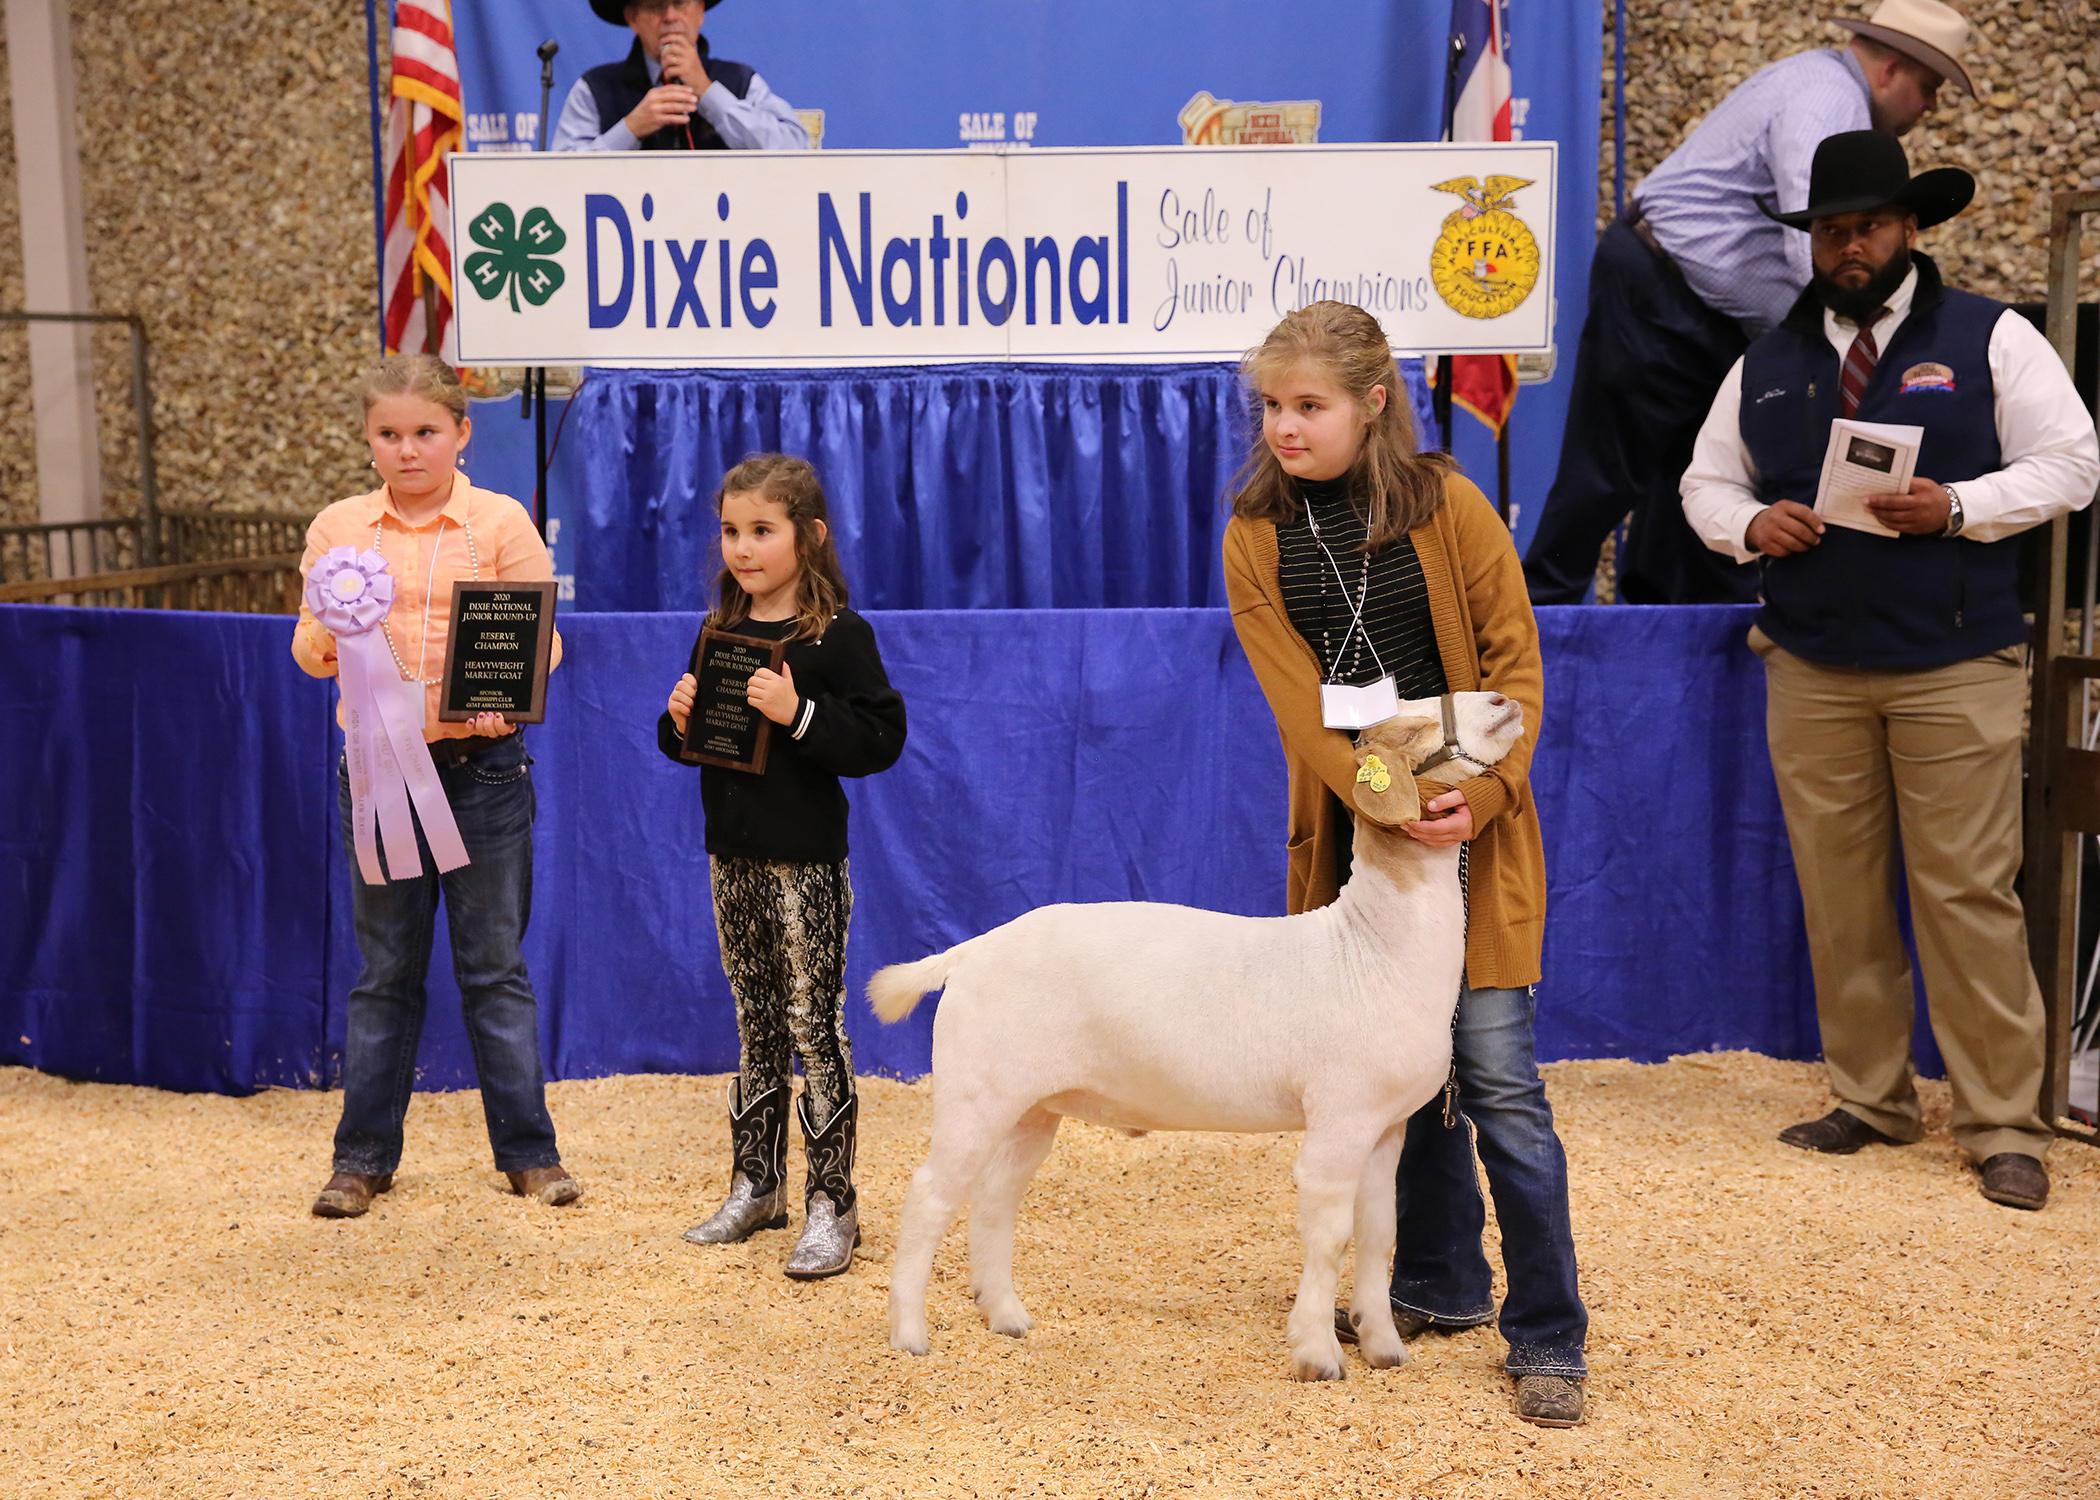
(1692, 273)
(1894, 666)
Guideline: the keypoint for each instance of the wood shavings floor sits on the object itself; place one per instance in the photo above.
(1765, 1322)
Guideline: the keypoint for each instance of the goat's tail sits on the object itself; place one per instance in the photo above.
(895, 992)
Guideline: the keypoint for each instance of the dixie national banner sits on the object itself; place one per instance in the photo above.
(889, 257)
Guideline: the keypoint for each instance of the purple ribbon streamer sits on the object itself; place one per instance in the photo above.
(389, 765)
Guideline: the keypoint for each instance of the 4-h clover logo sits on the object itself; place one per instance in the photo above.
(518, 257)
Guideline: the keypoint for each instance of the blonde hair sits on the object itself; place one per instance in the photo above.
(820, 590)
(1394, 486)
(421, 375)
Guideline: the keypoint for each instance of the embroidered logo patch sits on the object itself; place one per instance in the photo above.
(1771, 395)
(1928, 378)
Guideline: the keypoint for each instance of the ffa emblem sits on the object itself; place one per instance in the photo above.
(1373, 771)
(1928, 378)
(1209, 121)
(1485, 261)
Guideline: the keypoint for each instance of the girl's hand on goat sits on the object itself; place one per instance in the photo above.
(1450, 821)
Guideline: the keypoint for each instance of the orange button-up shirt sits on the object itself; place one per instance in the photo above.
(425, 561)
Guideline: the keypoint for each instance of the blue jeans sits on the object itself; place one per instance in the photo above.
(1439, 1270)
(487, 903)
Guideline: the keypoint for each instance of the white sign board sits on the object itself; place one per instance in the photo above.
(725, 258)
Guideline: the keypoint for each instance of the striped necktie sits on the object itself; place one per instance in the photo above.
(1859, 364)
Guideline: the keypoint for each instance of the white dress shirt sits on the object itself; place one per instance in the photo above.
(2046, 441)
(760, 121)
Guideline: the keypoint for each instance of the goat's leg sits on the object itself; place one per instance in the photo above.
(1330, 1165)
(1370, 1296)
(963, 1138)
(994, 1201)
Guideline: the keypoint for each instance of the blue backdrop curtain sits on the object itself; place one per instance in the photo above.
(174, 897)
(951, 486)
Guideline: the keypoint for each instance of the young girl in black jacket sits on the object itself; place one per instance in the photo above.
(776, 845)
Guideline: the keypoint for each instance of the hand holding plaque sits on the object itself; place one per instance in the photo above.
(498, 653)
(724, 728)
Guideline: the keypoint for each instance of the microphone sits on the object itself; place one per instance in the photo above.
(677, 78)
(546, 50)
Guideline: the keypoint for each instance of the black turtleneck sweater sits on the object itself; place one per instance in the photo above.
(1396, 630)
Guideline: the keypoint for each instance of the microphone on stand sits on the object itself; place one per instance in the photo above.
(535, 397)
(547, 49)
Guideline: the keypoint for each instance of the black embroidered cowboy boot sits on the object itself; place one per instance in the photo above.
(758, 1181)
(832, 1225)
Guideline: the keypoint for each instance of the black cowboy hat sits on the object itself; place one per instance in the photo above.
(615, 11)
(1862, 169)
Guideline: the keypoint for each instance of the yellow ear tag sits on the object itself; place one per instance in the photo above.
(1373, 770)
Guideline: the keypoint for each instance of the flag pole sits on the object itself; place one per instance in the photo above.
(1440, 399)
(1502, 466)
(1509, 412)
(378, 161)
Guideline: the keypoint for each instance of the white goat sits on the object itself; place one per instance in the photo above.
(1143, 1016)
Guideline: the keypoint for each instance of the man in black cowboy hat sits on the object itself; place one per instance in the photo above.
(670, 94)
(1894, 658)
(1689, 274)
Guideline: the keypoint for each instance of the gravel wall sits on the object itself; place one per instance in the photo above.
(228, 192)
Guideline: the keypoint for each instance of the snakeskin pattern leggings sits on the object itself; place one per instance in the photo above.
(782, 928)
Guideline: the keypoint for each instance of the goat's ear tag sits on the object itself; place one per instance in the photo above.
(1373, 771)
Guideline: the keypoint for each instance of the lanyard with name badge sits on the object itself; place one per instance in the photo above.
(1343, 706)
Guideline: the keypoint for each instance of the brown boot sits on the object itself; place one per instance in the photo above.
(1839, 1133)
(1549, 1400)
(1410, 1324)
(553, 1185)
(349, 1194)
(2015, 1179)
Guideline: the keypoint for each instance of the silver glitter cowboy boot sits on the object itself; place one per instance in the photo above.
(832, 1222)
(758, 1182)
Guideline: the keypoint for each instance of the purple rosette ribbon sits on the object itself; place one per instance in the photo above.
(350, 593)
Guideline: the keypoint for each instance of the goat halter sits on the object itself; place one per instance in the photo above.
(1451, 749)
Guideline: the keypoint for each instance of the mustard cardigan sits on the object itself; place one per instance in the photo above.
(1489, 641)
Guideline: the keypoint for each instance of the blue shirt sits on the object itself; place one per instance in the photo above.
(1758, 143)
(760, 121)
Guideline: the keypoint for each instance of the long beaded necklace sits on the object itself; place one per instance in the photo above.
(429, 583)
(1358, 632)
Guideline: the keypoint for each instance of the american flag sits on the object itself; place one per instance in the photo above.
(425, 120)
(1484, 384)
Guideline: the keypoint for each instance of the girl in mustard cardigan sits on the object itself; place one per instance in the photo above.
(1352, 558)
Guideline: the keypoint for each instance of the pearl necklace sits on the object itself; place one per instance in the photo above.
(1363, 595)
(429, 581)
(1358, 633)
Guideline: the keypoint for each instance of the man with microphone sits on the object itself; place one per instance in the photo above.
(669, 94)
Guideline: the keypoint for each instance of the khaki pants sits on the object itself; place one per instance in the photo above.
(1928, 762)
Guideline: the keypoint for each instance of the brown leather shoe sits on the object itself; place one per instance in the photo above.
(1839, 1133)
(2015, 1179)
(349, 1194)
(553, 1185)
(1549, 1400)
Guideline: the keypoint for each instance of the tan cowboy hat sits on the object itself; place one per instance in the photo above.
(1924, 31)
